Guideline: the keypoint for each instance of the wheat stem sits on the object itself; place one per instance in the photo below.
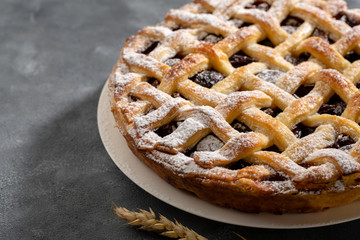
(147, 221)
(239, 236)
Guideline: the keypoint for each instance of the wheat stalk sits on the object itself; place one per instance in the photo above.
(147, 221)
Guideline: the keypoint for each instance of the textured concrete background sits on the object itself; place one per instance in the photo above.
(56, 179)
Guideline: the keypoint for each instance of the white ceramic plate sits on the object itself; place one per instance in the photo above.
(144, 177)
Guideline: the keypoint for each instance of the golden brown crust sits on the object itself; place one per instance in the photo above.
(305, 174)
(251, 201)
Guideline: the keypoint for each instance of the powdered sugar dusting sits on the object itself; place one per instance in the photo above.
(209, 143)
(213, 3)
(260, 15)
(144, 123)
(289, 29)
(160, 32)
(244, 142)
(174, 43)
(281, 97)
(270, 76)
(156, 95)
(295, 77)
(178, 163)
(345, 161)
(201, 19)
(142, 61)
(122, 81)
(181, 135)
(205, 95)
(280, 187)
(311, 143)
(318, 174)
(172, 61)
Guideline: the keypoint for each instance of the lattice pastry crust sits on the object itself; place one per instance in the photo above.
(250, 104)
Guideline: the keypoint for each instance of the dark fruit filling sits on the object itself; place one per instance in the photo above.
(297, 60)
(240, 59)
(291, 24)
(270, 76)
(239, 165)
(273, 148)
(267, 43)
(207, 78)
(292, 21)
(301, 130)
(239, 23)
(277, 177)
(177, 28)
(170, 62)
(245, 24)
(151, 47)
(132, 98)
(352, 56)
(347, 148)
(321, 34)
(261, 5)
(272, 112)
(358, 85)
(303, 91)
(350, 20)
(167, 129)
(176, 94)
(212, 38)
(343, 142)
(154, 82)
(240, 127)
(208, 143)
(335, 106)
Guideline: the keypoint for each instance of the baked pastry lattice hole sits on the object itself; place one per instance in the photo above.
(240, 59)
(253, 105)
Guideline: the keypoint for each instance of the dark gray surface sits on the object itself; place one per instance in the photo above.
(56, 179)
